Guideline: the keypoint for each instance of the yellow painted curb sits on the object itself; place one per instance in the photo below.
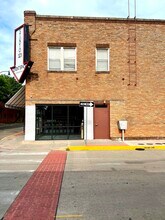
(104, 148)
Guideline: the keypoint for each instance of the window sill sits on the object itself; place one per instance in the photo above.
(102, 72)
(62, 71)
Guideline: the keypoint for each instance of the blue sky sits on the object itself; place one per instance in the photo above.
(11, 16)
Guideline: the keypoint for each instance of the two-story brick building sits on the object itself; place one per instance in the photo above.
(119, 64)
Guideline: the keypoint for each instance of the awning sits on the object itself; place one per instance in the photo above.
(18, 100)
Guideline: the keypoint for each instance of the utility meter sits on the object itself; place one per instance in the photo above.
(123, 125)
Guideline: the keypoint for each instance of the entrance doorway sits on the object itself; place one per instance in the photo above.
(58, 122)
(101, 122)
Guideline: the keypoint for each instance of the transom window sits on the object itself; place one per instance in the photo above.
(102, 59)
(62, 58)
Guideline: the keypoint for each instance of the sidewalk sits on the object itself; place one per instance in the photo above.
(16, 141)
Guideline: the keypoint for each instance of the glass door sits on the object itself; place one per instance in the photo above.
(60, 122)
(43, 122)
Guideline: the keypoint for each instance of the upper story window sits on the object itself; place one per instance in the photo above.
(102, 59)
(61, 58)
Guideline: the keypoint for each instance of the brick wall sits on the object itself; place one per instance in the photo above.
(142, 105)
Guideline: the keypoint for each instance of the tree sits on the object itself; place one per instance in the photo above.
(8, 87)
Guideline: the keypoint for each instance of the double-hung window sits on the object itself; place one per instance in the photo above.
(102, 59)
(61, 58)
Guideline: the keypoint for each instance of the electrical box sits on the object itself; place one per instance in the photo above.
(123, 125)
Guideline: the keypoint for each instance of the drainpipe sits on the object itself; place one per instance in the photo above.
(122, 134)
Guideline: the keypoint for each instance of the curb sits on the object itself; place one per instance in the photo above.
(109, 148)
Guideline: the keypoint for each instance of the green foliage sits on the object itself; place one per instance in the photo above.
(8, 87)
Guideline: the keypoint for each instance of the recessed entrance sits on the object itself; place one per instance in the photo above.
(58, 122)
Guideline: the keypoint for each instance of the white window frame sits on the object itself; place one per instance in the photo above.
(102, 48)
(62, 58)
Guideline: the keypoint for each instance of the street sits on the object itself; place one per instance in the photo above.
(97, 185)
(113, 186)
(15, 170)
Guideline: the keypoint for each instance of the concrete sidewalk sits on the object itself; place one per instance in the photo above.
(16, 142)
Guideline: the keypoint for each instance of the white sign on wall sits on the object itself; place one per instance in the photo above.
(22, 64)
(19, 46)
(18, 70)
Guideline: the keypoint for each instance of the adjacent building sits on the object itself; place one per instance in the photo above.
(117, 64)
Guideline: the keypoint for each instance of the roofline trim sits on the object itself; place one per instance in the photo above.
(98, 19)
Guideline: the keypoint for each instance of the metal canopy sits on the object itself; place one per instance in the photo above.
(17, 101)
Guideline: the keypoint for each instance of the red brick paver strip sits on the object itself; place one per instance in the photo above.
(38, 200)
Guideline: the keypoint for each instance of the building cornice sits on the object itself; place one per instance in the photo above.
(91, 19)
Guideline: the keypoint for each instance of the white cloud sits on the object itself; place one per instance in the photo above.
(11, 15)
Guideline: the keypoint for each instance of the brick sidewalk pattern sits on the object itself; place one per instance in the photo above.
(38, 200)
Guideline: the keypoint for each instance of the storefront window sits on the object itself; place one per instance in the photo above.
(58, 122)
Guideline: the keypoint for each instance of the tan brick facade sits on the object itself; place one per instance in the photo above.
(142, 105)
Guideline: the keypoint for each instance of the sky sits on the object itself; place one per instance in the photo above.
(12, 16)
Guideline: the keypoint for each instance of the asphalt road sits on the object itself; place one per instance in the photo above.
(113, 186)
(15, 170)
(102, 185)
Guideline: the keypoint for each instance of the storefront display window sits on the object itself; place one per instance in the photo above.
(58, 122)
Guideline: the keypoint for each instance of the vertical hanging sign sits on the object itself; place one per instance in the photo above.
(19, 46)
(22, 64)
